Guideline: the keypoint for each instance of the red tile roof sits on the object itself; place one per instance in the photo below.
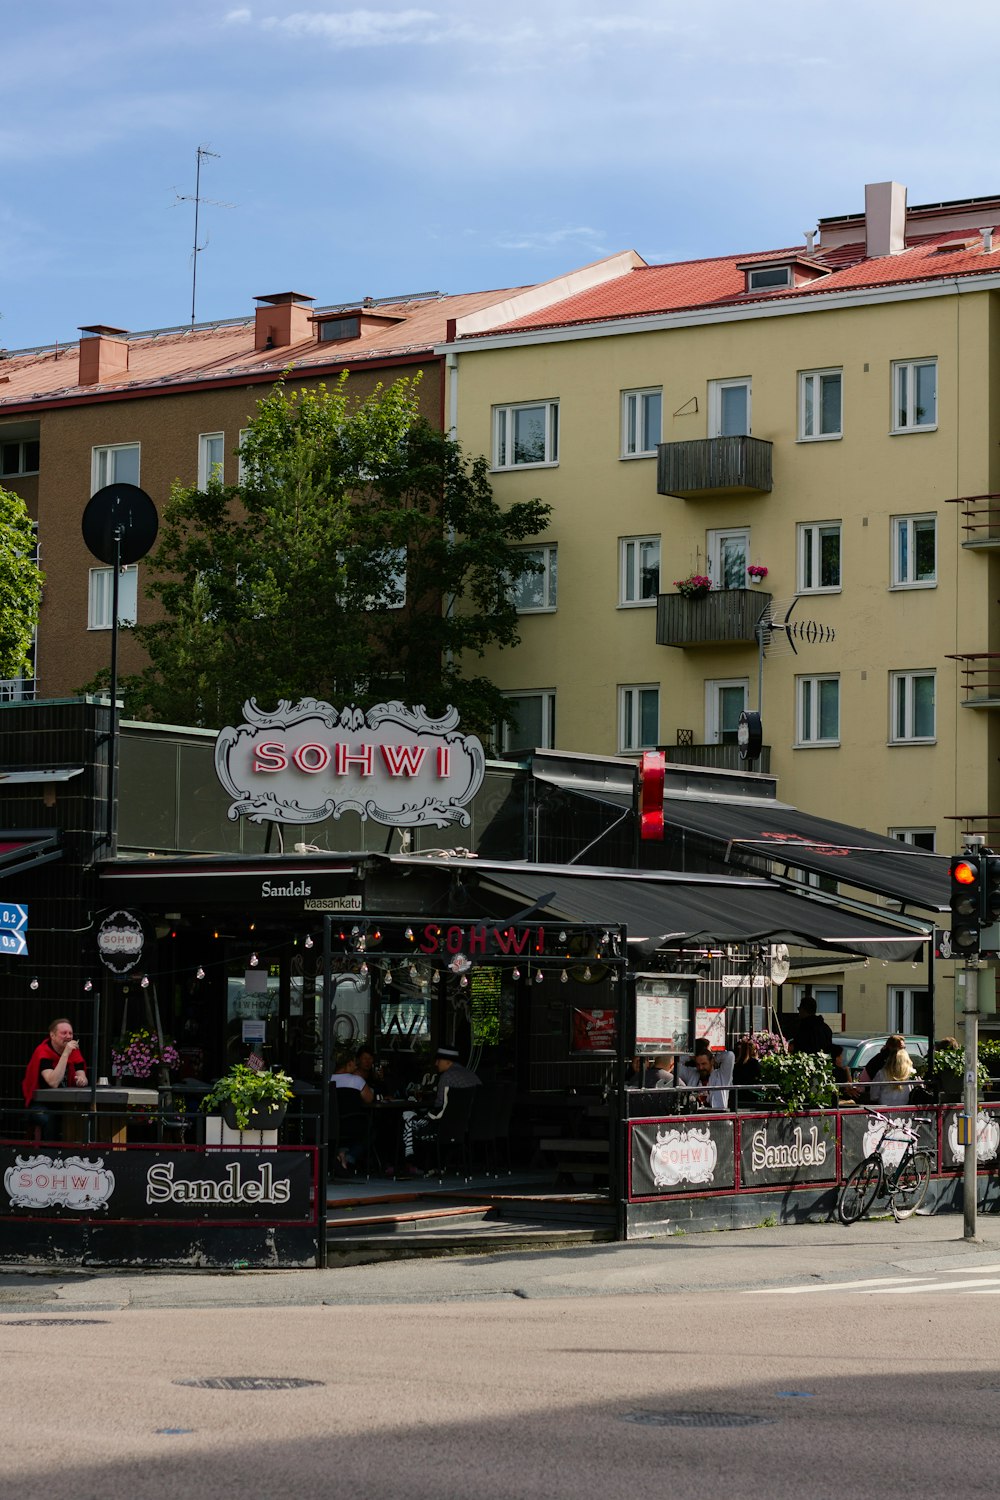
(688, 286)
(182, 357)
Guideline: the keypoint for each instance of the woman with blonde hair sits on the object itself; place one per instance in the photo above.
(893, 1082)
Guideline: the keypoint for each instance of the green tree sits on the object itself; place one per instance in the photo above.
(20, 586)
(361, 558)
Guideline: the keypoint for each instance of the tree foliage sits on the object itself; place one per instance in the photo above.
(361, 558)
(20, 586)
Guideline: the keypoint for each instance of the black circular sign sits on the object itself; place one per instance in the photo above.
(122, 508)
(750, 736)
(120, 940)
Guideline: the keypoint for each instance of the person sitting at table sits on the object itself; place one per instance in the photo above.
(659, 1072)
(451, 1075)
(894, 1082)
(56, 1063)
(347, 1075)
(710, 1073)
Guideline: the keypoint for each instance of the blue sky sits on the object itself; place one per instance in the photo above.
(453, 145)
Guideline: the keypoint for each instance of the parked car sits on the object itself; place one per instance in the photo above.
(859, 1050)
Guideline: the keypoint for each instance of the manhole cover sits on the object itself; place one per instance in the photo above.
(696, 1419)
(50, 1322)
(249, 1383)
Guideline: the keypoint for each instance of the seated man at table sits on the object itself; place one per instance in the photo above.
(710, 1073)
(451, 1075)
(56, 1063)
(348, 1076)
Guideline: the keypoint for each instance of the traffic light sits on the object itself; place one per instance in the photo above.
(991, 888)
(967, 884)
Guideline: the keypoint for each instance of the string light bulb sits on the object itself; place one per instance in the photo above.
(538, 977)
(408, 934)
(199, 973)
(88, 986)
(145, 981)
(464, 983)
(308, 942)
(517, 973)
(254, 960)
(586, 973)
(364, 968)
(564, 977)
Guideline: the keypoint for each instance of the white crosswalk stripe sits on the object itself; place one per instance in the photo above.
(975, 1280)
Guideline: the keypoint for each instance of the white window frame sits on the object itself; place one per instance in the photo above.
(809, 551)
(634, 420)
(503, 424)
(630, 571)
(21, 445)
(99, 596)
(548, 700)
(714, 727)
(899, 1002)
(914, 836)
(102, 464)
(907, 679)
(808, 686)
(910, 366)
(630, 696)
(714, 546)
(753, 272)
(829, 999)
(715, 390)
(815, 379)
(896, 525)
(548, 556)
(210, 468)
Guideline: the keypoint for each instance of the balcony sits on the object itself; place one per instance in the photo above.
(714, 466)
(716, 757)
(980, 686)
(724, 617)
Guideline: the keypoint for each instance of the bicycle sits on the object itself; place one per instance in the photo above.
(905, 1185)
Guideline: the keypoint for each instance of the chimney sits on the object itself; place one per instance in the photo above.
(103, 355)
(987, 239)
(282, 319)
(885, 218)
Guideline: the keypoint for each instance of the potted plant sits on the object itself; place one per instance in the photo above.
(250, 1100)
(695, 586)
(756, 572)
(803, 1080)
(138, 1053)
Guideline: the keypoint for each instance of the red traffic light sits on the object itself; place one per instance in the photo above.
(964, 873)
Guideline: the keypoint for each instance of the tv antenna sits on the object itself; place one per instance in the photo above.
(198, 200)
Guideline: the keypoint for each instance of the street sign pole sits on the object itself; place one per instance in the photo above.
(970, 1156)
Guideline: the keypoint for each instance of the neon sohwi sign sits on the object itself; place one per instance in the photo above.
(308, 761)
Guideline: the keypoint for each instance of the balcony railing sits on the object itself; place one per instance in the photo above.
(717, 757)
(980, 521)
(980, 678)
(714, 466)
(723, 617)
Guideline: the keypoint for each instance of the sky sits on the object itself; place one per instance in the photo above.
(453, 145)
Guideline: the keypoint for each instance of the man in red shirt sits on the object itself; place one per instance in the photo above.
(55, 1063)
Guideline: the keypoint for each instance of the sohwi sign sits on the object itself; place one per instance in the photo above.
(308, 761)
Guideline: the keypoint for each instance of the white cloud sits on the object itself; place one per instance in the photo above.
(549, 239)
(237, 17)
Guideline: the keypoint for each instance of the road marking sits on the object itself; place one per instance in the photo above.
(942, 1286)
(826, 1286)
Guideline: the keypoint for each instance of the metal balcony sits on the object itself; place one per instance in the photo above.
(716, 757)
(723, 617)
(714, 466)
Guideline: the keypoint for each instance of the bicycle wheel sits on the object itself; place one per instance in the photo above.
(911, 1185)
(858, 1192)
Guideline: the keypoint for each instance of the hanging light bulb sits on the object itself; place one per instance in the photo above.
(413, 973)
(364, 968)
(517, 973)
(33, 985)
(436, 977)
(586, 973)
(464, 982)
(145, 981)
(538, 977)
(355, 931)
(562, 937)
(308, 942)
(88, 985)
(254, 960)
(388, 974)
(408, 934)
(564, 977)
(199, 973)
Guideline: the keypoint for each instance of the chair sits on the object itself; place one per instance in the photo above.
(350, 1125)
(489, 1126)
(452, 1129)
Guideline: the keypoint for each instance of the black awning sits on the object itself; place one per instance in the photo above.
(23, 850)
(744, 831)
(685, 910)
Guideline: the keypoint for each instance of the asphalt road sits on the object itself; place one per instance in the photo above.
(811, 1360)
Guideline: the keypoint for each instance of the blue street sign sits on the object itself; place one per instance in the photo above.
(14, 918)
(12, 942)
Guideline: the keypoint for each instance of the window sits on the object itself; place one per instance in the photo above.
(725, 700)
(909, 1010)
(728, 408)
(914, 551)
(642, 422)
(639, 570)
(101, 586)
(820, 405)
(533, 725)
(118, 464)
(917, 838)
(769, 276)
(827, 997)
(818, 710)
(728, 555)
(333, 329)
(241, 465)
(20, 457)
(815, 881)
(535, 592)
(638, 718)
(211, 458)
(819, 556)
(527, 434)
(914, 395)
(911, 698)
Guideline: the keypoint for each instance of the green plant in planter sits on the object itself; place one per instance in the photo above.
(249, 1092)
(947, 1071)
(804, 1080)
(989, 1053)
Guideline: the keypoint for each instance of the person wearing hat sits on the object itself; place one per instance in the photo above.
(451, 1075)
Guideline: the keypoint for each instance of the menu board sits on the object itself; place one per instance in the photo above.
(594, 1030)
(662, 1013)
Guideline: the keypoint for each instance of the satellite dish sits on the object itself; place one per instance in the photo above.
(779, 963)
(125, 510)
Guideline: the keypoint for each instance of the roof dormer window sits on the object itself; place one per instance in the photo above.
(769, 277)
(332, 330)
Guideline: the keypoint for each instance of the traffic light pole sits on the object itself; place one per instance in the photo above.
(970, 1159)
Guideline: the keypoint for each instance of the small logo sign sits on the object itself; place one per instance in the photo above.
(120, 939)
(687, 1155)
(58, 1182)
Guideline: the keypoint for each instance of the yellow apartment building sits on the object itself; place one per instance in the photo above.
(815, 412)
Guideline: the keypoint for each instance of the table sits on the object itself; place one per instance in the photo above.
(106, 1104)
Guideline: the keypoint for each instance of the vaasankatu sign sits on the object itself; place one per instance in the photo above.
(309, 761)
